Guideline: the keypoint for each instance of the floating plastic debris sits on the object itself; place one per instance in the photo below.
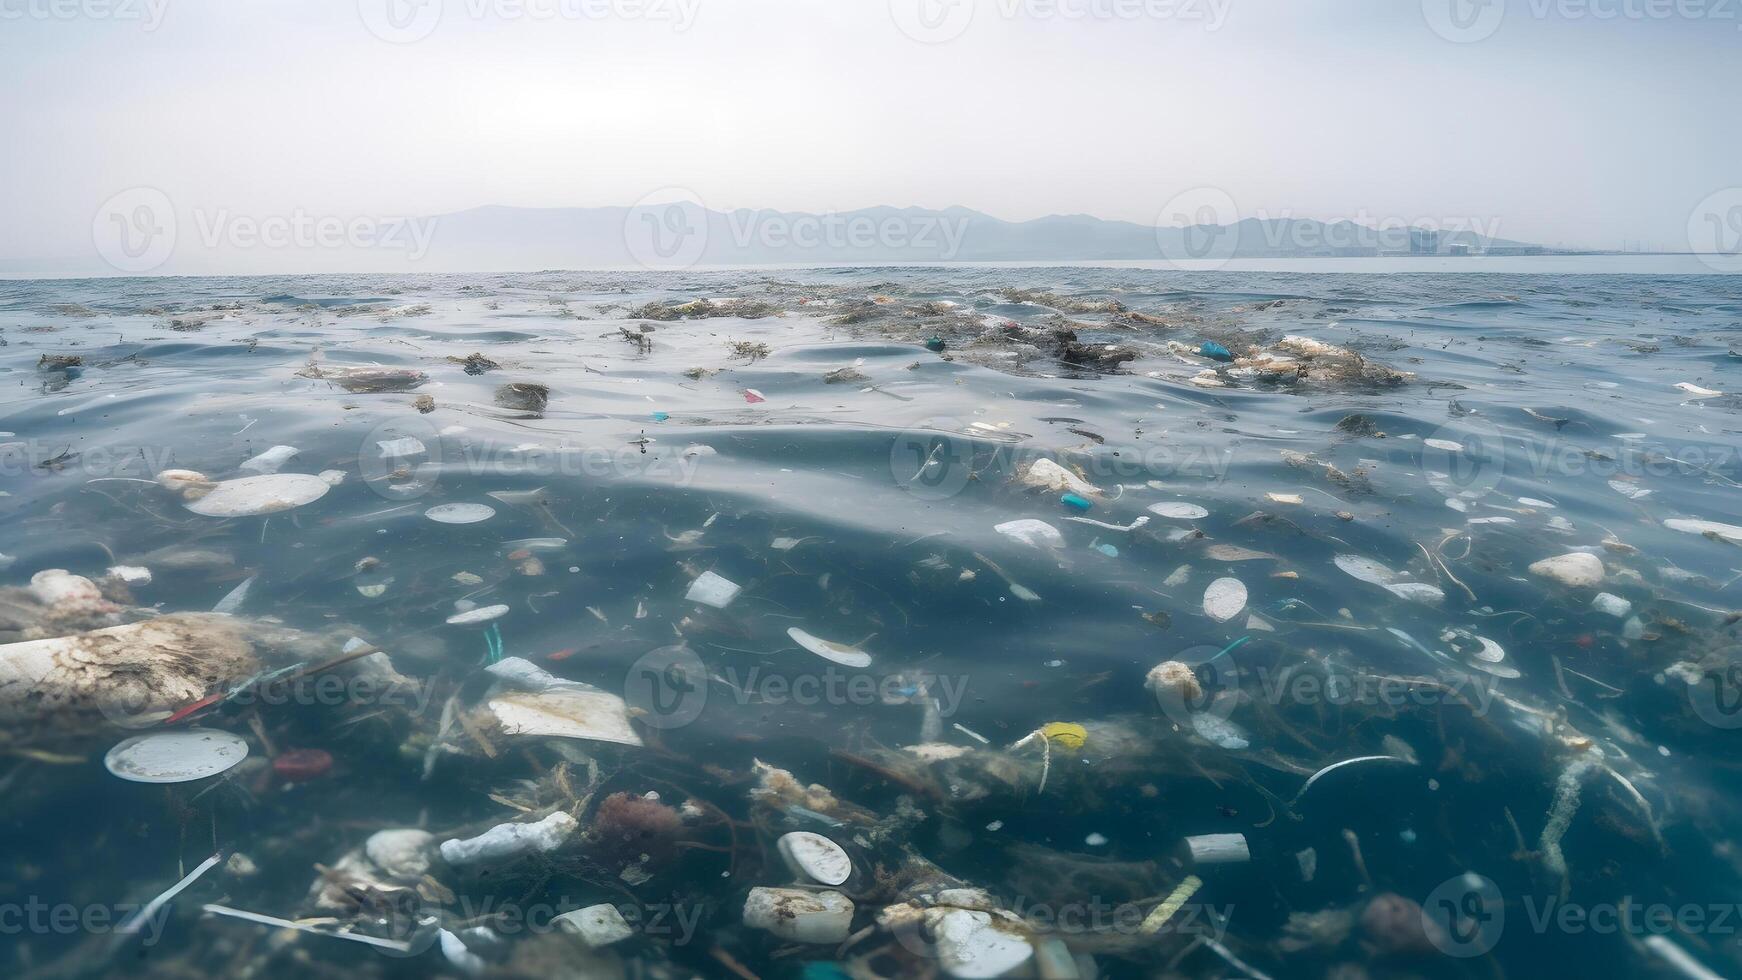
(971, 946)
(1576, 569)
(815, 857)
(839, 653)
(422, 940)
(597, 925)
(234, 599)
(1235, 553)
(120, 673)
(535, 544)
(1727, 532)
(460, 513)
(1224, 599)
(711, 589)
(270, 461)
(796, 915)
(367, 380)
(1446, 445)
(1479, 652)
(1612, 605)
(303, 765)
(147, 912)
(1417, 592)
(1158, 917)
(400, 448)
(1696, 391)
(529, 700)
(1631, 491)
(253, 495)
(1374, 573)
(1219, 731)
(1333, 767)
(1038, 534)
(175, 757)
(1044, 474)
(1208, 849)
(1178, 510)
(565, 712)
(505, 842)
(1365, 569)
(483, 614)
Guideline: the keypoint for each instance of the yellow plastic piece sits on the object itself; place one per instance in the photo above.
(1067, 735)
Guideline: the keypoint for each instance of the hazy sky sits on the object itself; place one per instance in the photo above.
(1581, 123)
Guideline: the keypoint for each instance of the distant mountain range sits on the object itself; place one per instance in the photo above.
(682, 234)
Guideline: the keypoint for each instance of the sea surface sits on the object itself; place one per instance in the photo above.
(1541, 802)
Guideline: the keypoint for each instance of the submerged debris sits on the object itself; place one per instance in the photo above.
(523, 396)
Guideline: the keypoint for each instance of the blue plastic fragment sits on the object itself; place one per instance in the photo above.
(1075, 502)
(1216, 351)
(661, 416)
(1108, 550)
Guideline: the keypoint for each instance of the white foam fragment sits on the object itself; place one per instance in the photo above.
(270, 461)
(507, 841)
(711, 589)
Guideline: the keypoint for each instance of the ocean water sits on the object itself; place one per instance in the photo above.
(1555, 790)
